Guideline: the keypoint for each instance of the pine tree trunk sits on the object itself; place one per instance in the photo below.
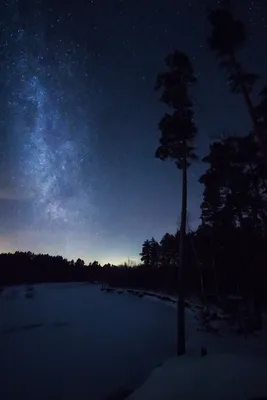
(216, 282)
(181, 302)
(257, 311)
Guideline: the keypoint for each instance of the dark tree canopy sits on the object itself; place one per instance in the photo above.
(179, 127)
(228, 34)
(235, 184)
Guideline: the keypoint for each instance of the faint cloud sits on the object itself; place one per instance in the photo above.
(9, 193)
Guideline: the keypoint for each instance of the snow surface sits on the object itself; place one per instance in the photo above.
(217, 376)
(74, 341)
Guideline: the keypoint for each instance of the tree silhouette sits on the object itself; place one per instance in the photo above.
(178, 131)
(228, 36)
(79, 263)
(169, 250)
(150, 254)
(145, 253)
(235, 185)
(235, 208)
(154, 252)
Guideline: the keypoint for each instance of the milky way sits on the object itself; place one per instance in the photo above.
(49, 150)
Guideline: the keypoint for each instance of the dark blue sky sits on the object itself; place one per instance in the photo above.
(79, 120)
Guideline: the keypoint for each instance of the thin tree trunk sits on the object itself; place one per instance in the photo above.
(201, 280)
(181, 302)
(215, 278)
(257, 310)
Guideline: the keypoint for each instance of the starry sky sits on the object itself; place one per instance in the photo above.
(78, 120)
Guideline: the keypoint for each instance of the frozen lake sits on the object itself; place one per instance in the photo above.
(74, 341)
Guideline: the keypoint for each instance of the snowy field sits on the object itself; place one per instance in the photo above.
(74, 341)
(214, 377)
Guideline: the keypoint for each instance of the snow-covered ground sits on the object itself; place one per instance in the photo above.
(74, 341)
(216, 376)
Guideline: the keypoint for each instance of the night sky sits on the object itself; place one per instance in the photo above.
(78, 120)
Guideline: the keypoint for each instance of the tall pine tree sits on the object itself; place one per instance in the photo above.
(178, 131)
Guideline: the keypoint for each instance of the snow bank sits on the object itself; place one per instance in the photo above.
(217, 376)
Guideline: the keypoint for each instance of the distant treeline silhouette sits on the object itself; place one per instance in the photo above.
(218, 263)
